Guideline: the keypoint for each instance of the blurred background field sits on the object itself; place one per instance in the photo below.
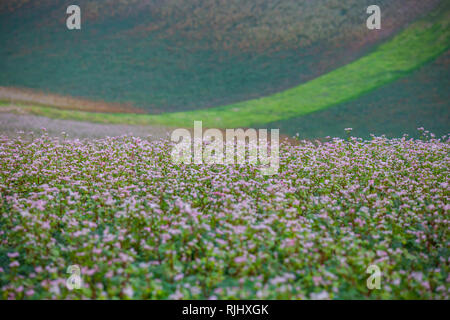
(419, 100)
(159, 57)
(142, 226)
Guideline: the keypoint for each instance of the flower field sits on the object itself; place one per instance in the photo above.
(142, 227)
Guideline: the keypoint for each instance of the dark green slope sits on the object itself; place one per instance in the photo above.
(184, 55)
(420, 100)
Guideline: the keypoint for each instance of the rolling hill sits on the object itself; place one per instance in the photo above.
(263, 62)
(418, 100)
(166, 56)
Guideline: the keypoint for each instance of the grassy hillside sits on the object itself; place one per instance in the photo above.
(184, 55)
(424, 40)
(419, 100)
(421, 42)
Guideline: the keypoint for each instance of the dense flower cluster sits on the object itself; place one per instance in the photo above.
(140, 226)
